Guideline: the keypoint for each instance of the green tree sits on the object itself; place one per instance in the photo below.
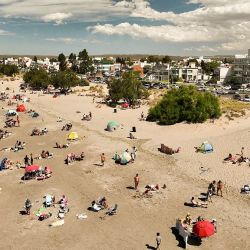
(72, 57)
(65, 80)
(185, 104)
(166, 59)
(128, 87)
(8, 70)
(37, 79)
(153, 59)
(62, 61)
(85, 62)
(52, 60)
(35, 59)
(210, 67)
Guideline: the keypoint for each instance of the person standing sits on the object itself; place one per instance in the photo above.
(142, 115)
(31, 159)
(158, 240)
(103, 159)
(219, 188)
(90, 115)
(18, 120)
(133, 153)
(136, 181)
(26, 160)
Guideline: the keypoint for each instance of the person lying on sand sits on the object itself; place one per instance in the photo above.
(150, 188)
(195, 203)
(62, 146)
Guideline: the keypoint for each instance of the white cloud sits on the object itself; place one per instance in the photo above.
(66, 40)
(218, 21)
(6, 33)
(49, 10)
(58, 18)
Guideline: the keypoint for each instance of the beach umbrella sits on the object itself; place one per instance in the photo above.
(203, 229)
(21, 108)
(32, 168)
(73, 136)
(112, 126)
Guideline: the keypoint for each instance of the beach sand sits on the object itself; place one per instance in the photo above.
(185, 174)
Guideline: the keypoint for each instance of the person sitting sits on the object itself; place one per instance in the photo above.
(188, 219)
(102, 202)
(45, 131)
(58, 145)
(195, 203)
(80, 157)
(63, 200)
(131, 136)
(35, 131)
(47, 172)
(43, 154)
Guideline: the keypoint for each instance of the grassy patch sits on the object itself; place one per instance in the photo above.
(233, 108)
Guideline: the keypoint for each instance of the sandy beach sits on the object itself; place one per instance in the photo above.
(185, 174)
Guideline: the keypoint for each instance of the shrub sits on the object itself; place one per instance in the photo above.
(185, 104)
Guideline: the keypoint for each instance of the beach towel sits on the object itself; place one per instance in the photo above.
(57, 223)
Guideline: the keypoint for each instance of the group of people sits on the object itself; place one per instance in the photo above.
(36, 131)
(28, 161)
(238, 158)
(74, 157)
(49, 201)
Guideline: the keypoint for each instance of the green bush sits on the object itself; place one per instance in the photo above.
(185, 104)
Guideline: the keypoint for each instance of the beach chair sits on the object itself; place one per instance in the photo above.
(112, 210)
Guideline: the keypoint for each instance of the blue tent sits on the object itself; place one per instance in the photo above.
(206, 147)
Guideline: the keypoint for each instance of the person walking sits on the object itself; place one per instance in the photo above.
(136, 181)
(158, 240)
(90, 115)
(103, 159)
(219, 188)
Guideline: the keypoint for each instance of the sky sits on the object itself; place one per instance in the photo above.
(166, 27)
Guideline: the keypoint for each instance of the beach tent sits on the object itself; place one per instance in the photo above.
(73, 136)
(112, 126)
(11, 112)
(125, 158)
(32, 168)
(21, 108)
(203, 229)
(206, 147)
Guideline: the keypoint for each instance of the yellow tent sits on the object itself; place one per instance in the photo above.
(73, 136)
